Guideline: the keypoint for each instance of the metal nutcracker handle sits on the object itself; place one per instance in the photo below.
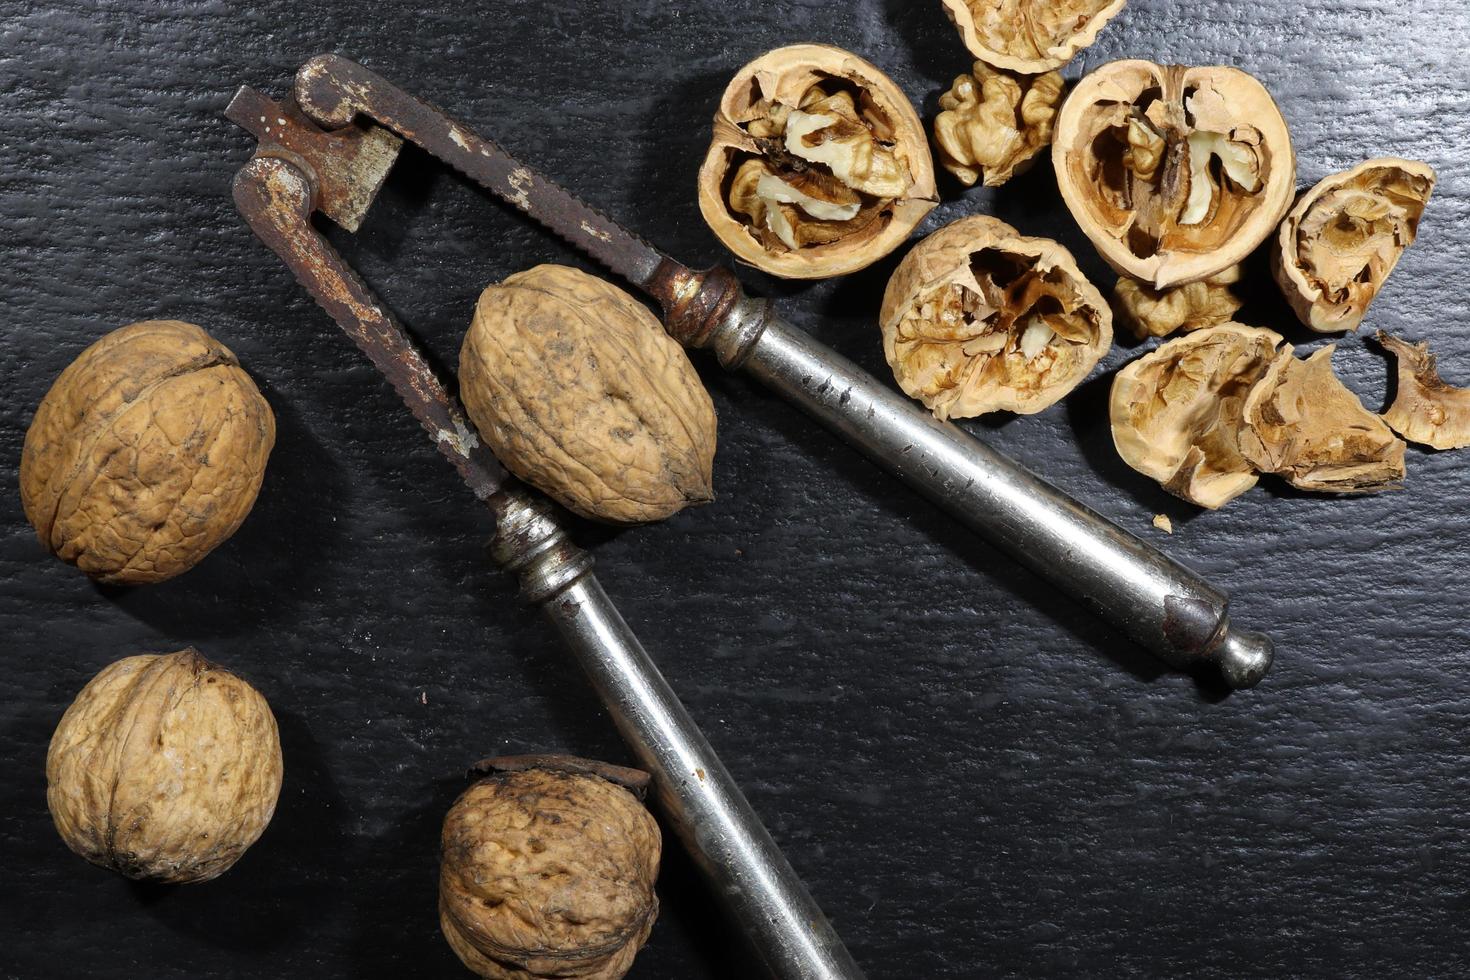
(697, 796)
(276, 193)
(1161, 604)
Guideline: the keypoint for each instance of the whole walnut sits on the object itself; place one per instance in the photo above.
(166, 768)
(577, 389)
(547, 870)
(146, 454)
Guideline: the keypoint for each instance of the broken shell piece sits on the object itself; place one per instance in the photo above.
(1175, 174)
(818, 166)
(1149, 312)
(1339, 244)
(1177, 412)
(994, 123)
(1162, 522)
(1303, 424)
(978, 318)
(1030, 36)
(1426, 410)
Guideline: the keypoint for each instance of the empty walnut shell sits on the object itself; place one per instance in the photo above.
(166, 767)
(978, 318)
(1175, 173)
(1426, 409)
(1030, 36)
(577, 389)
(818, 165)
(1338, 245)
(548, 871)
(146, 454)
(1177, 412)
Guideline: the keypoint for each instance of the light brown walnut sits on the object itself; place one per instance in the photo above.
(1030, 36)
(166, 767)
(978, 318)
(578, 391)
(818, 165)
(146, 454)
(548, 873)
(1175, 174)
(994, 123)
(1426, 410)
(1148, 312)
(1339, 244)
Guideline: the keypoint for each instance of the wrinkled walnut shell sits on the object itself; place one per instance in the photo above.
(1176, 173)
(994, 124)
(578, 391)
(1177, 411)
(166, 768)
(849, 192)
(548, 871)
(146, 454)
(1339, 244)
(978, 318)
(1030, 36)
(1426, 410)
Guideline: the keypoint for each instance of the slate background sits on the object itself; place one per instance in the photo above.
(974, 777)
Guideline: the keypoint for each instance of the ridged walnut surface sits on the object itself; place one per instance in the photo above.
(577, 389)
(548, 874)
(146, 454)
(166, 767)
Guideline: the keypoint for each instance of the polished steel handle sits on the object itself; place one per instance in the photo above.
(697, 796)
(1161, 604)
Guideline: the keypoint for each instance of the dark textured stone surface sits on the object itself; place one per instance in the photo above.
(974, 777)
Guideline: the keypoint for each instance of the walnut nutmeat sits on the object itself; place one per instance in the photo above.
(1148, 312)
(146, 454)
(978, 318)
(994, 123)
(548, 872)
(166, 768)
(818, 165)
(578, 391)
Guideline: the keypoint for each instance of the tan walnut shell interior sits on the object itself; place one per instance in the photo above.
(818, 165)
(1207, 412)
(1426, 410)
(146, 454)
(575, 387)
(166, 767)
(1174, 173)
(548, 874)
(1030, 36)
(978, 318)
(1339, 244)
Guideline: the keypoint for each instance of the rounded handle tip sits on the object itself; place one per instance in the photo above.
(1245, 658)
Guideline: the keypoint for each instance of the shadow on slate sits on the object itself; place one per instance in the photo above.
(270, 897)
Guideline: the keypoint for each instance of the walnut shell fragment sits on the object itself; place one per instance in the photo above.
(1174, 173)
(578, 391)
(1303, 424)
(978, 318)
(1339, 244)
(994, 123)
(166, 767)
(1148, 312)
(1426, 410)
(1030, 36)
(1177, 412)
(146, 454)
(818, 165)
(548, 871)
